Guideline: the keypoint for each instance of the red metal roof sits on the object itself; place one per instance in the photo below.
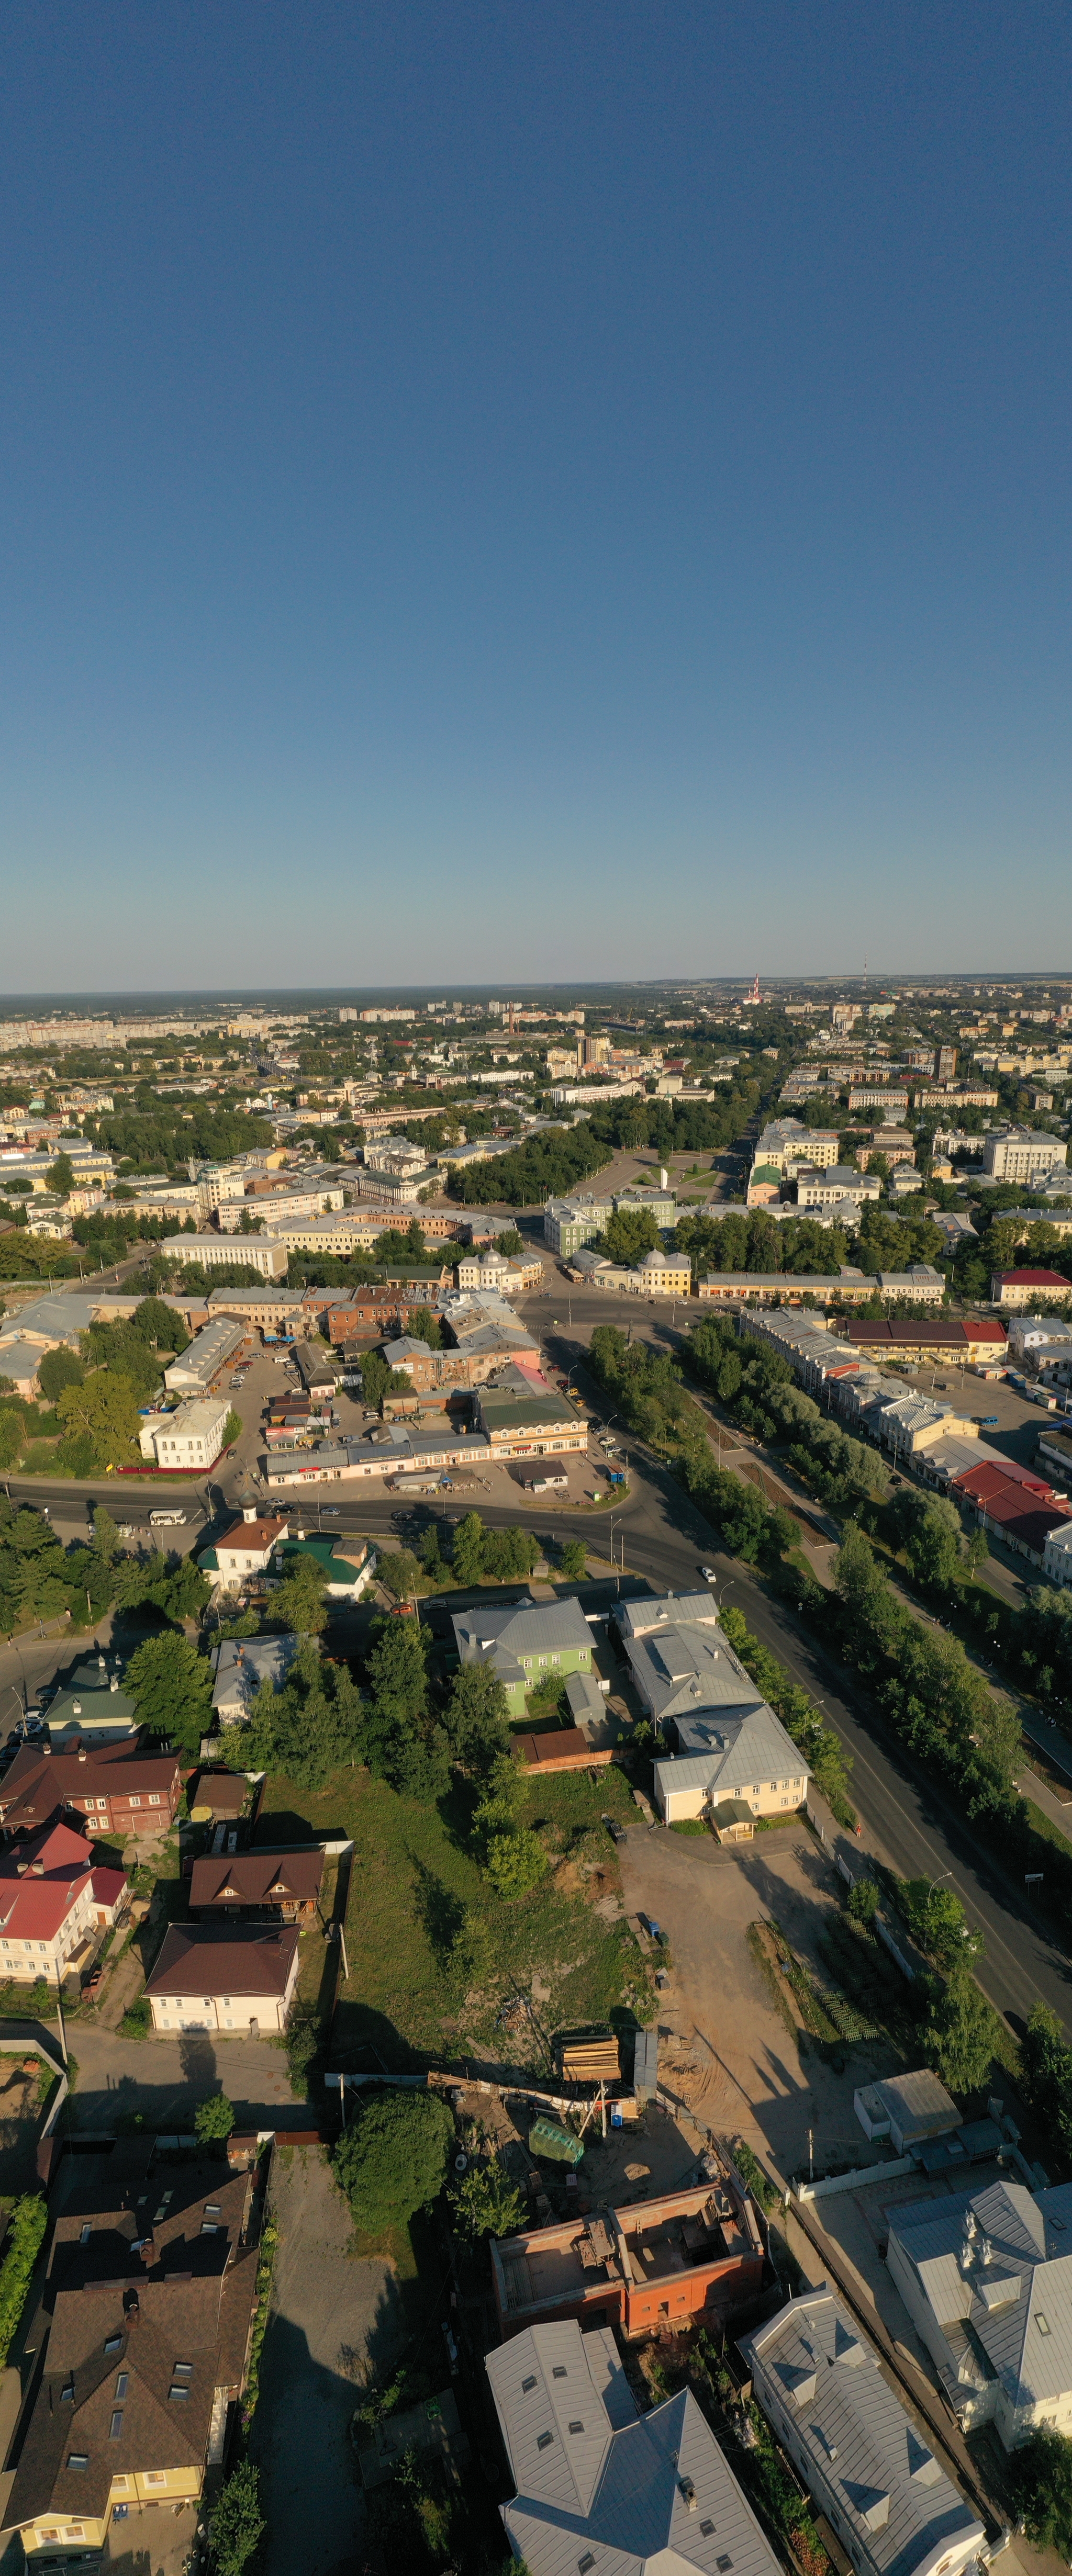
(990, 1479)
(42, 1879)
(1033, 1278)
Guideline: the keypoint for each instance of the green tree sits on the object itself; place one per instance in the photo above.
(958, 2036)
(297, 1605)
(171, 1687)
(61, 1175)
(467, 1550)
(936, 1919)
(57, 1370)
(400, 1573)
(104, 1409)
(393, 2159)
(630, 1234)
(105, 1535)
(160, 1324)
(214, 2120)
(477, 1720)
(1046, 2077)
(1041, 2475)
(509, 1244)
(516, 1862)
(486, 2203)
(573, 1560)
(423, 1326)
(237, 2527)
(375, 1378)
(864, 1900)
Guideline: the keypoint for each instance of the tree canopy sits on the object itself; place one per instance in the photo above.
(393, 2159)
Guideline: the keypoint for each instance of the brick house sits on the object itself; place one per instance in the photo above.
(114, 1789)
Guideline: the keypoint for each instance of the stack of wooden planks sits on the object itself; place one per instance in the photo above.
(592, 2060)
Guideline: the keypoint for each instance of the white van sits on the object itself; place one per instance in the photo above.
(167, 1520)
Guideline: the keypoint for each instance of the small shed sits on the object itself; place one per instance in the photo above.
(217, 1797)
(906, 2109)
(733, 1821)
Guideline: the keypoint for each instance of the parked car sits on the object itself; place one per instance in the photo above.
(708, 1573)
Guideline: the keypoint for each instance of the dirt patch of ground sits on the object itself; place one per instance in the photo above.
(727, 2054)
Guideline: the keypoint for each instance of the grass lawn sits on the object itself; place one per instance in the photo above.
(435, 1955)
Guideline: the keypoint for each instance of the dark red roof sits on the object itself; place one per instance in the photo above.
(1033, 1278)
(989, 1478)
(246, 1959)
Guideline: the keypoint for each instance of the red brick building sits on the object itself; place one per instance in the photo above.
(657, 2262)
(115, 1789)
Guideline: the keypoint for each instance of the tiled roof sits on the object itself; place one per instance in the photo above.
(252, 1534)
(41, 1880)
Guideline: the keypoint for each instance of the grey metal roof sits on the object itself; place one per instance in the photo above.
(626, 2494)
(725, 1754)
(536, 1629)
(858, 2449)
(1000, 2260)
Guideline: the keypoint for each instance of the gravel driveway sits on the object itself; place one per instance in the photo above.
(330, 2315)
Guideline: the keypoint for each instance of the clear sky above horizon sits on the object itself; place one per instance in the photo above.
(533, 492)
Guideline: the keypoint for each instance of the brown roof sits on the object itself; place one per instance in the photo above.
(246, 1959)
(925, 1331)
(162, 2278)
(258, 1878)
(39, 1782)
(253, 1533)
(225, 1792)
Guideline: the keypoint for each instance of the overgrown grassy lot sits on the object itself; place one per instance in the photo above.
(437, 1960)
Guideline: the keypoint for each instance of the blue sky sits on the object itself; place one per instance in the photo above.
(498, 491)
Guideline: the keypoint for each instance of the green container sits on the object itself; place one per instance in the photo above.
(547, 2139)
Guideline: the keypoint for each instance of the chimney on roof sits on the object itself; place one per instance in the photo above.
(82, 1753)
(113, 1684)
(76, 1708)
(131, 2309)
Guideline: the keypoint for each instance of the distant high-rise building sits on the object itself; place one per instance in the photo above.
(945, 1064)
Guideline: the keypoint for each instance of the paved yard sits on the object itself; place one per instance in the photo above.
(165, 2078)
(724, 2046)
(331, 2315)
